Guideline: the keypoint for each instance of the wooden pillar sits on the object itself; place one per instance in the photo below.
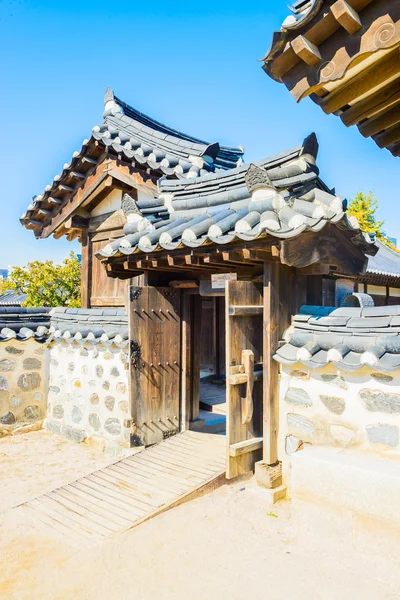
(269, 470)
(270, 367)
(86, 270)
(196, 326)
(186, 362)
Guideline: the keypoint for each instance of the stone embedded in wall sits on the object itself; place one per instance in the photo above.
(114, 372)
(343, 435)
(334, 404)
(99, 371)
(53, 389)
(32, 412)
(388, 435)
(71, 366)
(109, 402)
(15, 402)
(107, 355)
(58, 411)
(379, 401)
(382, 377)
(61, 381)
(94, 421)
(38, 397)
(71, 350)
(92, 383)
(121, 388)
(7, 365)
(105, 385)
(75, 435)
(301, 425)
(76, 414)
(29, 381)
(32, 364)
(123, 406)
(84, 369)
(292, 444)
(77, 383)
(3, 384)
(54, 362)
(113, 426)
(123, 357)
(15, 351)
(94, 398)
(298, 397)
(95, 353)
(298, 374)
(83, 352)
(335, 379)
(8, 418)
(40, 351)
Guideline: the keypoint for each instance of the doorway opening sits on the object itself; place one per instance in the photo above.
(212, 376)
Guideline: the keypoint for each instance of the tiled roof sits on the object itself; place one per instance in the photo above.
(12, 298)
(90, 325)
(139, 139)
(24, 323)
(221, 208)
(385, 263)
(95, 325)
(348, 338)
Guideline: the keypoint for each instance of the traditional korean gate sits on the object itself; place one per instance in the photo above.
(155, 332)
(244, 350)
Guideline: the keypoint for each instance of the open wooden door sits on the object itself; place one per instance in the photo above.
(155, 354)
(244, 349)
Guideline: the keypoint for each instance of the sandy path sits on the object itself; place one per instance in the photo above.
(226, 545)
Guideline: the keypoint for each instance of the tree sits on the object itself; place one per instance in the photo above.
(363, 207)
(47, 284)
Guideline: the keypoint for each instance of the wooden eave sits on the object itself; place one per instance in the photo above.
(309, 250)
(348, 60)
(110, 174)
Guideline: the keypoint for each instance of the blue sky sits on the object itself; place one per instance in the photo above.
(191, 65)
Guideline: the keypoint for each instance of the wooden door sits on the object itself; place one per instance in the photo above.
(244, 350)
(155, 338)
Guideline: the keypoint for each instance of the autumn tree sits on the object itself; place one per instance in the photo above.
(363, 207)
(46, 283)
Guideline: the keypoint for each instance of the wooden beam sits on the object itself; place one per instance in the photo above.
(77, 222)
(246, 446)
(373, 104)
(270, 367)
(184, 284)
(388, 137)
(382, 121)
(366, 82)
(241, 378)
(245, 311)
(306, 50)
(346, 16)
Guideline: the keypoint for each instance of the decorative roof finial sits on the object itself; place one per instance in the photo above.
(128, 206)
(111, 106)
(257, 178)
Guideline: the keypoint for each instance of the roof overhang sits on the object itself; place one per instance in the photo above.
(345, 55)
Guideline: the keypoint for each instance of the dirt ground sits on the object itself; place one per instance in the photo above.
(225, 545)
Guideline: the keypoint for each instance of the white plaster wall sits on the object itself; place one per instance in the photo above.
(88, 393)
(23, 385)
(327, 407)
(111, 203)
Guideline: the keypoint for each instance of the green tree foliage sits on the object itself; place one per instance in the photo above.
(363, 207)
(47, 284)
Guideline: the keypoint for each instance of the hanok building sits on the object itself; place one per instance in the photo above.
(217, 255)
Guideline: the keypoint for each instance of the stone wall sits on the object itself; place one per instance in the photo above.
(23, 385)
(357, 410)
(88, 392)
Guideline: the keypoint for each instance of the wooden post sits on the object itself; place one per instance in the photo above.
(270, 367)
(196, 340)
(186, 361)
(86, 269)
